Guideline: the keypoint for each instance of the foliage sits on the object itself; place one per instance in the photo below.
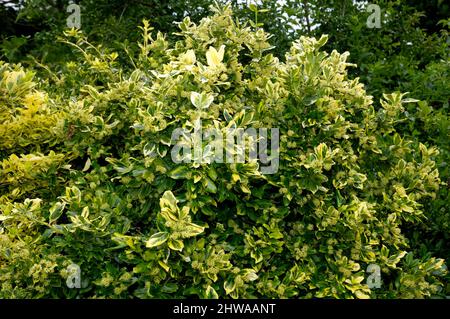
(87, 175)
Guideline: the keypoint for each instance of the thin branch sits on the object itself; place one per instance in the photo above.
(308, 25)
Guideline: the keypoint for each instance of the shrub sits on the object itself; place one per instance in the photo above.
(93, 183)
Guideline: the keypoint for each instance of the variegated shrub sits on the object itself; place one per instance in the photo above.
(87, 176)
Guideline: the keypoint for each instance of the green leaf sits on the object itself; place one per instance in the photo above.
(229, 286)
(410, 100)
(56, 211)
(201, 100)
(250, 275)
(168, 205)
(175, 244)
(212, 173)
(192, 230)
(180, 172)
(157, 239)
(85, 212)
(3, 217)
(322, 41)
(149, 150)
(209, 185)
(164, 265)
(87, 165)
(253, 7)
(169, 288)
(360, 295)
(227, 116)
(211, 293)
(184, 213)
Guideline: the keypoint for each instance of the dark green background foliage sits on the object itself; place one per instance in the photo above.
(86, 175)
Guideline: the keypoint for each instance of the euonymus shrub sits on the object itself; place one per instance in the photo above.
(87, 177)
